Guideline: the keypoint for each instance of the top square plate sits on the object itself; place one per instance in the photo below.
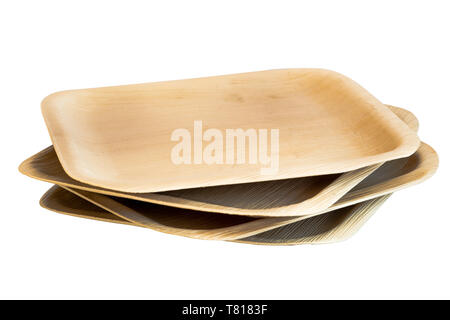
(121, 138)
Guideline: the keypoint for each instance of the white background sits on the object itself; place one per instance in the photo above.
(398, 50)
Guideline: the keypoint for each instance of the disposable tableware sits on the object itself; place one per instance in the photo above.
(300, 122)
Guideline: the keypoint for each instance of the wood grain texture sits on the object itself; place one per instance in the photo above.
(182, 222)
(334, 226)
(330, 227)
(289, 197)
(392, 176)
(120, 137)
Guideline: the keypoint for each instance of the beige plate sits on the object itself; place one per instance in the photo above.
(289, 197)
(120, 138)
(329, 227)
